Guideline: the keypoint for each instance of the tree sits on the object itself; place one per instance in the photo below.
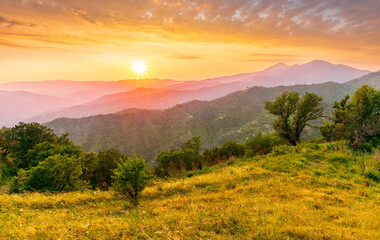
(187, 158)
(105, 165)
(192, 143)
(358, 120)
(294, 113)
(263, 144)
(89, 165)
(55, 174)
(26, 144)
(131, 177)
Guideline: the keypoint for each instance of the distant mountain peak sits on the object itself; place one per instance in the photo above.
(276, 67)
(319, 62)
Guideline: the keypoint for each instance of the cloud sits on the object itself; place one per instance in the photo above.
(331, 24)
(11, 23)
(272, 55)
(184, 57)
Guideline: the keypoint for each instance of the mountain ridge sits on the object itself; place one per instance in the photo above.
(207, 89)
(233, 117)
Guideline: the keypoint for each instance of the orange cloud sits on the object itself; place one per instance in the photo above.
(348, 30)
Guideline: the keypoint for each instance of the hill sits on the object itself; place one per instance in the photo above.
(306, 192)
(313, 72)
(84, 91)
(17, 106)
(280, 74)
(234, 117)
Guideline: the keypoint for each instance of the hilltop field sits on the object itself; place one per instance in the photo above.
(311, 191)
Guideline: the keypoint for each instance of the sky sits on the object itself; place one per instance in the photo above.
(181, 39)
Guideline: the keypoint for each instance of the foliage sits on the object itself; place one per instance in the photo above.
(358, 120)
(294, 113)
(223, 153)
(55, 174)
(263, 144)
(192, 144)
(89, 165)
(176, 161)
(105, 165)
(25, 145)
(131, 177)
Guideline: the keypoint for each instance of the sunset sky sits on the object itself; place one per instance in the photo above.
(99, 39)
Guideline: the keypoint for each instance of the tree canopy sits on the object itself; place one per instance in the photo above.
(357, 120)
(294, 113)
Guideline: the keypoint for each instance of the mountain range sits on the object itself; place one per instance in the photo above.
(171, 92)
(237, 116)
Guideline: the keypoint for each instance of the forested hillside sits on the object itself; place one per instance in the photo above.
(233, 117)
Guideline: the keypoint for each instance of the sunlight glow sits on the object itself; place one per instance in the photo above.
(139, 67)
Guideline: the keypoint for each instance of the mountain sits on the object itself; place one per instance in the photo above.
(314, 72)
(280, 74)
(19, 105)
(142, 98)
(234, 117)
(85, 91)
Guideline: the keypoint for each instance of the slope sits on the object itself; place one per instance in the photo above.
(308, 192)
(234, 117)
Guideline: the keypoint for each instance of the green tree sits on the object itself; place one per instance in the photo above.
(263, 144)
(105, 165)
(176, 161)
(294, 113)
(55, 174)
(131, 177)
(358, 120)
(192, 143)
(25, 145)
(89, 166)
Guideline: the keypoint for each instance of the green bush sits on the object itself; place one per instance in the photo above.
(55, 174)
(263, 144)
(187, 158)
(102, 170)
(173, 162)
(224, 152)
(373, 174)
(131, 177)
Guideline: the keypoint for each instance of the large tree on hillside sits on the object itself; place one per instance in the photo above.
(357, 120)
(294, 113)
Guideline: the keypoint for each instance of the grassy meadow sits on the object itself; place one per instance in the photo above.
(312, 191)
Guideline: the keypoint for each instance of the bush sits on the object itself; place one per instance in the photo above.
(223, 153)
(173, 162)
(131, 177)
(263, 144)
(105, 164)
(57, 173)
(372, 174)
(188, 158)
(89, 162)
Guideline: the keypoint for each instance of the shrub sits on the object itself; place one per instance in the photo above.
(263, 144)
(188, 158)
(131, 177)
(231, 149)
(105, 164)
(173, 162)
(372, 174)
(89, 162)
(57, 173)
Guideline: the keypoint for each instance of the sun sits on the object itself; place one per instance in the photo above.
(139, 67)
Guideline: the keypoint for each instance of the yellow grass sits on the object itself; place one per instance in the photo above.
(241, 201)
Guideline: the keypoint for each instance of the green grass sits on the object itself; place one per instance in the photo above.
(306, 192)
